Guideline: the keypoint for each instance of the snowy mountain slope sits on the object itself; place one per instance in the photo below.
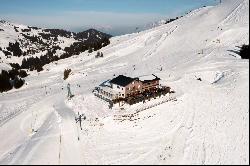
(208, 124)
(36, 42)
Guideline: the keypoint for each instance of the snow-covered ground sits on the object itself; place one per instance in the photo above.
(204, 122)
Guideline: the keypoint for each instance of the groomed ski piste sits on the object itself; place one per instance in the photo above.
(204, 122)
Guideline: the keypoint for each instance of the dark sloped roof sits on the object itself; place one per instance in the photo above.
(122, 80)
(151, 80)
(147, 81)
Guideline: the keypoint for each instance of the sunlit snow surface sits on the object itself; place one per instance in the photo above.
(207, 124)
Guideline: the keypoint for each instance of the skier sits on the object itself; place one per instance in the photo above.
(69, 92)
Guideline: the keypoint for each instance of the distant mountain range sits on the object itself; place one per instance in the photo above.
(123, 30)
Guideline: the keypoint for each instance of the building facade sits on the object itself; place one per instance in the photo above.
(123, 87)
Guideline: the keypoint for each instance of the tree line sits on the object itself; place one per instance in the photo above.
(12, 79)
(35, 63)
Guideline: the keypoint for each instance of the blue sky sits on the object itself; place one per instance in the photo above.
(82, 14)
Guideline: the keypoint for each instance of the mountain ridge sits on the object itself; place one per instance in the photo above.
(20, 41)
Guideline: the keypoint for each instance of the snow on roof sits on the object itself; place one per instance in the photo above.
(124, 80)
(148, 77)
(105, 83)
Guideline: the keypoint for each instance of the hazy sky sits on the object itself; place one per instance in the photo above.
(81, 14)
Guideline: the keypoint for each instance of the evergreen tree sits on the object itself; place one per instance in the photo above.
(5, 81)
(244, 52)
(18, 83)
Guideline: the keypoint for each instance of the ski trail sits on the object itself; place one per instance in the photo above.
(238, 6)
(58, 127)
(69, 142)
(164, 36)
(25, 152)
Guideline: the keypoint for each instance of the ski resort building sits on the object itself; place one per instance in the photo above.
(149, 83)
(123, 87)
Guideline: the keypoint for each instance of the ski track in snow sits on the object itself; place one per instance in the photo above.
(205, 122)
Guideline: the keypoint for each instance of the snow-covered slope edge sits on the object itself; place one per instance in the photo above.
(208, 124)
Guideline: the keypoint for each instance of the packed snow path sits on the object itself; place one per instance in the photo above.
(207, 124)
